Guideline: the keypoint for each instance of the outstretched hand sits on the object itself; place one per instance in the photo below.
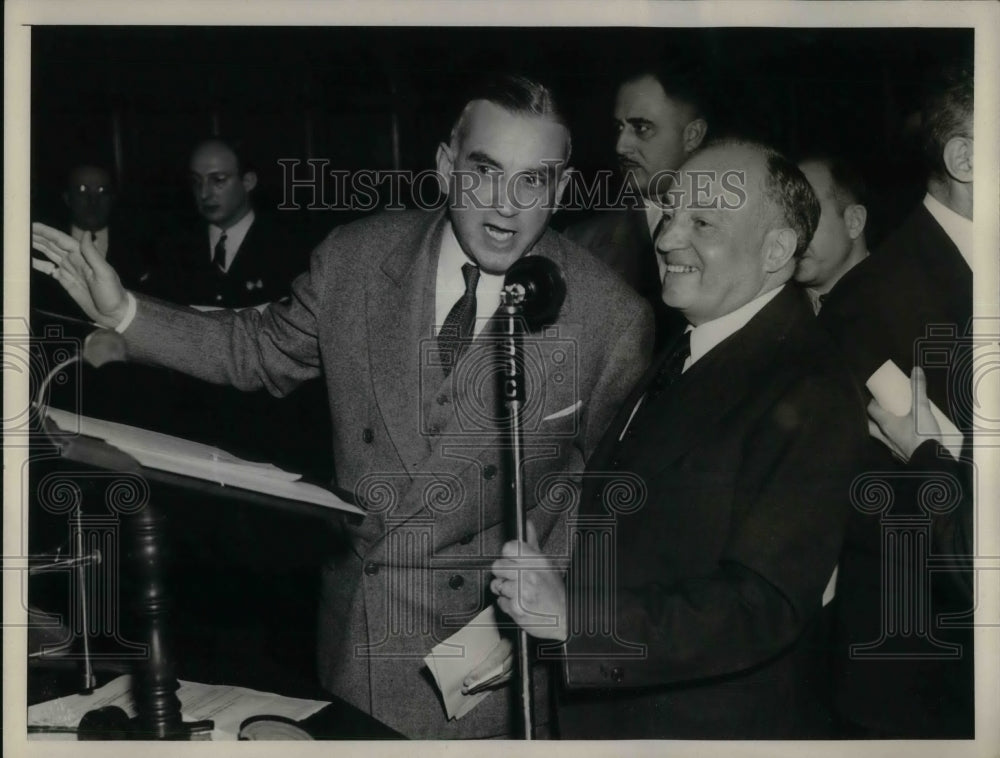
(900, 433)
(82, 272)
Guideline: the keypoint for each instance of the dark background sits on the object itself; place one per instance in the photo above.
(137, 98)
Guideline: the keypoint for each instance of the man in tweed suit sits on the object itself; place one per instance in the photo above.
(419, 445)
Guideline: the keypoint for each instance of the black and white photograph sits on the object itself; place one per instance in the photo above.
(562, 372)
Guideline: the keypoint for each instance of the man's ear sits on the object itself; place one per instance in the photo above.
(693, 134)
(855, 218)
(445, 164)
(249, 180)
(779, 248)
(958, 158)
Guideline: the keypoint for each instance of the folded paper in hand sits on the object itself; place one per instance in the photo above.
(452, 660)
(892, 389)
(180, 456)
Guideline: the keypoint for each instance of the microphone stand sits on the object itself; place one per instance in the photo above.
(512, 306)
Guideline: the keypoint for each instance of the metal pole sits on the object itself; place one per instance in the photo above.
(513, 392)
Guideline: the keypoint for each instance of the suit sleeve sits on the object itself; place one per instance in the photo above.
(277, 349)
(790, 510)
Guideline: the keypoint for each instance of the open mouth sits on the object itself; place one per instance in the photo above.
(498, 233)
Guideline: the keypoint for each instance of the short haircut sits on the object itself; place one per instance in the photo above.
(849, 187)
(237, 146)
(515, 94)
(786, 187)
(684, 79)
(946, 111)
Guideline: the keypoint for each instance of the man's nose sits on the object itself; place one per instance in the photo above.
(670, 234)
(505, 202)
(625, 143)
(203, 189)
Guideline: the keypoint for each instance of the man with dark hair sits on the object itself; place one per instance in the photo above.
(395, 312)
(714, 507)
(235, 258)
(660, 119)
(900, 672)
(839, 242)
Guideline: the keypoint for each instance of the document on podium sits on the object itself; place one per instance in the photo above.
(227, 706)
(179, 456)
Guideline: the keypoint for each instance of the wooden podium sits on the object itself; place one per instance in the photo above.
(144, 551)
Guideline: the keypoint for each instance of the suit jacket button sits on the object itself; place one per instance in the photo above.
(617, 675)
(368, 435)
(489, 472)
(371, 568)
(456, 581)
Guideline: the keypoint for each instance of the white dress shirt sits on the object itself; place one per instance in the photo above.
(234, 238)
(450, 284)
(957, 227)
(706, 336)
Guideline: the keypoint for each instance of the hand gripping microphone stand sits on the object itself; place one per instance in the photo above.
(532, 295)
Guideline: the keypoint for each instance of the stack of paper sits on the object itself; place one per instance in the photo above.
(180, 456)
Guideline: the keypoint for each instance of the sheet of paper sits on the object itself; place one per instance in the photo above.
(452, 660)
(179, 456)
(227, 706)
(891, 388)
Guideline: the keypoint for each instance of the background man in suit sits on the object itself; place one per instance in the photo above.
(839, 242)
(90, 197)
(738, 449)
(235, 258)
(660, 119)
(921, 277)
(416, 437)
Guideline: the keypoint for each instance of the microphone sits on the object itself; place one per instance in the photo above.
(537, 285)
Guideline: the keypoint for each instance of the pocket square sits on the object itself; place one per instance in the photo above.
(564, 412)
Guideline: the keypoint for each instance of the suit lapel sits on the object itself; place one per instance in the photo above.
(399, 302)
(710, 389)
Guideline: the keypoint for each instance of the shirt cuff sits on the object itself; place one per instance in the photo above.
(129, 313)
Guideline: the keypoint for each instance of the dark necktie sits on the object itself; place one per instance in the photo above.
(219, 255)
(457, 330)
(671, 369)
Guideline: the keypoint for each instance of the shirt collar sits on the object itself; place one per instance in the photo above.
(706, 336)
(957, 227)
(234, 236)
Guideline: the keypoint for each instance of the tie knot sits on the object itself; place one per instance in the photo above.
(470, 272)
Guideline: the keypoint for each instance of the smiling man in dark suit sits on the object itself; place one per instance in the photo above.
(714, 508)
(416, 437)
(237, 257)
